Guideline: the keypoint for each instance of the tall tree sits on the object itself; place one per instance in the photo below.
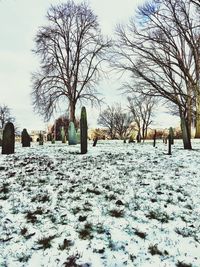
(107, 119)
(116, 120)
(156, 52)
(71, 49)
(5, 115)
(122, 121)
(142, 108)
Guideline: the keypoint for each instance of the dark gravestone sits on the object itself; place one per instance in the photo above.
(95, 141)
(154, 139)
(26, 139)
(169, 144)
(41, 139)
(138, 137)
(83, 128)
(8, 142)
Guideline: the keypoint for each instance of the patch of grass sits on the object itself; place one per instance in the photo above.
(87, 206)
(53, 218)
(163, 217)
(188, 206)
(66, 244)
(40, 198)
(82, 218)
(23, 231)
(24, 258)
(107, 187)
(181, 199)
(141, 234)
(100, 251)
(110, 197)
(76, 210)
(71, 261)
(86, 232)
(31, 216)
(93, 191)
(119, 202)
(153, 200)
(4, 197)
(153, 249)
(41, 181)
(116, 213)
(45, 242)
(100, 229)
(182, 264)
(184, 232)
(132, 257)
(4, 189)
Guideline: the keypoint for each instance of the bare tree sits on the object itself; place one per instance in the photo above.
(107, 119)
(5, 115)
(122, 121)
(156, 52)
(196, 2)
(116, 120)
(142, 108)
(71, 49)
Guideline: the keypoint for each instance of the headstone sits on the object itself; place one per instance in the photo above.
(26, 140)
(154, 139)
(41, 139)
(138, 137)
(72, 139)
(83, 128)
(95, 141)
(169, 144)
(8, 142)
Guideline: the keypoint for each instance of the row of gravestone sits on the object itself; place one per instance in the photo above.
(8, 141)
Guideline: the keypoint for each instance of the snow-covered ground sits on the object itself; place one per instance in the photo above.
(118, 205)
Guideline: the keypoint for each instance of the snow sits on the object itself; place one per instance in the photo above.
(118, 205)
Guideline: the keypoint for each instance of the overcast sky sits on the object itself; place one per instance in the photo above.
(19, 21)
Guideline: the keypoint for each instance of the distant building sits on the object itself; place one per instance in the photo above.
(35, 135)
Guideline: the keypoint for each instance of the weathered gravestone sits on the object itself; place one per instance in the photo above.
(154, 139)
(8, 142)
(41, 139)
(138, 137)
(83, 129)
(170, 143)
(26, 139)
(95, 141)
(72, 139)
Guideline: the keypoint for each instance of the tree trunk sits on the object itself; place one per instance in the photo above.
(197, 133)
(185, 133)
(72, 112)
(143, 131)
(189, 116)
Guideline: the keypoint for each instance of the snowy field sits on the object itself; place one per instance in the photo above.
(119, 205)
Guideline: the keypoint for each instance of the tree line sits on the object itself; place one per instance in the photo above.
(158, 49)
